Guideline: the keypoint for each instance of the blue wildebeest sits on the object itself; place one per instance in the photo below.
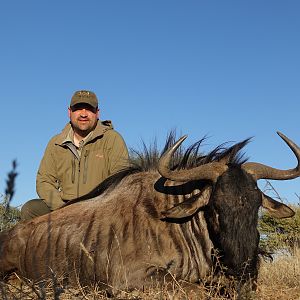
(162, 219)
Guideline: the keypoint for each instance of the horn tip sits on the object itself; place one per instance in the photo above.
(184, 137)
(281, 134)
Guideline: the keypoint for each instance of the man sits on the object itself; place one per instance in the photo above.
(75, 161)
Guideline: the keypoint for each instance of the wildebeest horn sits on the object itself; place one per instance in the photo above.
(210, 171)
(260, 171)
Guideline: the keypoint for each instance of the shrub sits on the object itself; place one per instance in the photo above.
(280, 234)
(9, 216)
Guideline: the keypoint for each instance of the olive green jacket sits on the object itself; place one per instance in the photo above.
(64, 174)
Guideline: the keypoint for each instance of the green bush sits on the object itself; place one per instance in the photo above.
(9, 216)
(280, 233)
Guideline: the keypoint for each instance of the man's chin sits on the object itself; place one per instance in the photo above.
(82, 131)
(84, 128)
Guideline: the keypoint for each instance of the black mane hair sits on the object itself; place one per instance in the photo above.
(147, 160)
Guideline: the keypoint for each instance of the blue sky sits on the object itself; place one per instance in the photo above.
(226, 69)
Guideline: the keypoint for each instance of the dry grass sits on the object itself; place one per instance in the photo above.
(278, 280)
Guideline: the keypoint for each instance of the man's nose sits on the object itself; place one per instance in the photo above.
(83, 112)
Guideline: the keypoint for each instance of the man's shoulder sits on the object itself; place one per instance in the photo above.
(106, 123)
(60, 137)
(105, 129)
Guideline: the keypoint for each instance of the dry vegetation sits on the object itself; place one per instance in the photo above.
(278, 280)
(281, 278)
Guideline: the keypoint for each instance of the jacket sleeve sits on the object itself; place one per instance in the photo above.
(118, 157)
(47, 185)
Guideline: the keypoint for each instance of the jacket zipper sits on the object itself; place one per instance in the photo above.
(78, 179)
(73, 170)
(85, 166)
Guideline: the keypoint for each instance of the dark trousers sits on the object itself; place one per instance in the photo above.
(34, 208)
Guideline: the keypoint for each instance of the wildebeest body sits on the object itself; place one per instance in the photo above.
(118, 241)
(152, 226)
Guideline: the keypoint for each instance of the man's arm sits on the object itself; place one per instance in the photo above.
(46, 181)
(118, 157)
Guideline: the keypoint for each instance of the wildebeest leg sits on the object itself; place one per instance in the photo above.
(163, 279)
(158, 274)
(154, 277)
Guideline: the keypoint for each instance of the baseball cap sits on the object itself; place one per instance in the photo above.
(84, 96)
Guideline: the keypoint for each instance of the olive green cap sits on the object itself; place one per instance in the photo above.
(84, 96)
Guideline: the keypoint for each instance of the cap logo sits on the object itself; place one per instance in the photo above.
(84, 93)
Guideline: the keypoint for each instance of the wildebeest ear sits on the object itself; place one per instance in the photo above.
(188, 207)
(275, 208)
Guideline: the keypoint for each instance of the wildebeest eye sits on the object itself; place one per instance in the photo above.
(242, 200)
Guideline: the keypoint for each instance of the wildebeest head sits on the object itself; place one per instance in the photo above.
(231, 201)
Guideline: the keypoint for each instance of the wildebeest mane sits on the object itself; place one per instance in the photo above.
(147, 159)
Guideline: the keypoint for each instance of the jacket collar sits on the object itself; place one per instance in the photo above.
(100, 129)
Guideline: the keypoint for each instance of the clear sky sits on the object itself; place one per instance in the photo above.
(226, 69)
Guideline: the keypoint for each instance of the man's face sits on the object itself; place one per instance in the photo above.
(83, 117)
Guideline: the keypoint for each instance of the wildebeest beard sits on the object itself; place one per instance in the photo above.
(233, 217)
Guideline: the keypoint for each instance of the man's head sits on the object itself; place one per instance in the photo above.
(86, 97)
(83, 112)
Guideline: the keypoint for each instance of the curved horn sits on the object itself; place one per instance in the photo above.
(260, 171)
(210, 171)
